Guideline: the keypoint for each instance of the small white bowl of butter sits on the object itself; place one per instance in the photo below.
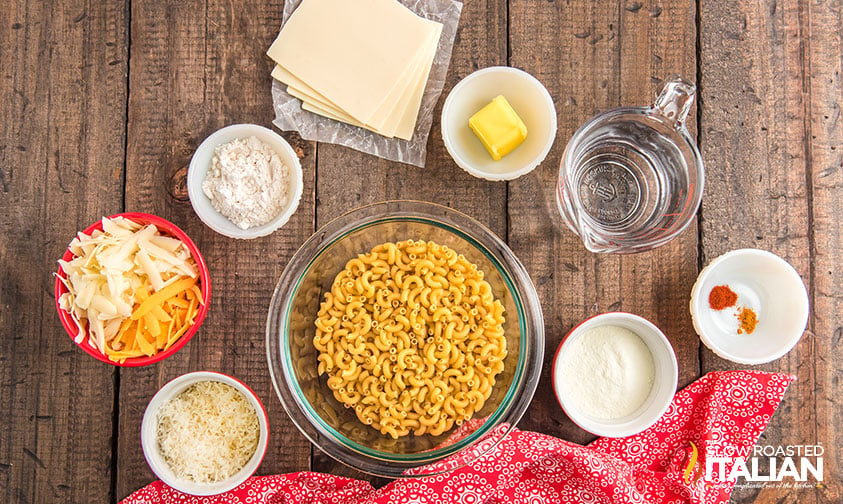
(528, 98)
(615, 374)
(201, 162)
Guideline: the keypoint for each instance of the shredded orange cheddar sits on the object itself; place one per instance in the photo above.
(157, 322)
(161, 296)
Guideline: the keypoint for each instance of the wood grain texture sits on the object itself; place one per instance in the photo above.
(824, 62)
(348, 179)
(196, 67)
(760, 113)
(593, 57)
(63, 90)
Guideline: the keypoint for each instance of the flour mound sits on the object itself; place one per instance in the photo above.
(247, 182)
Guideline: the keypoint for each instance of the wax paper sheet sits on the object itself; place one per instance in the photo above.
(290, 116)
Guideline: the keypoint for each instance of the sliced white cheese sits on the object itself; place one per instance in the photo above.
(403, 120)
(281, 74)
(389, 117)
(357, 54)
(407, 125)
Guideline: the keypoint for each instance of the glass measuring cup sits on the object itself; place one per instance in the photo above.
(631, 178)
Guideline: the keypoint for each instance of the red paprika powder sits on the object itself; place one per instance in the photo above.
(722, 297)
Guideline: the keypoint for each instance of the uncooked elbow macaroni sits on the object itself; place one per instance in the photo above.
(411, 337)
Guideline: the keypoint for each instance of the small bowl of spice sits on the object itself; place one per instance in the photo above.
(204, 433)
(244, 181)
(615, 374)
(749, 306)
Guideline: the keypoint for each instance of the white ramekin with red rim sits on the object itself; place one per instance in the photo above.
(664, 381)
(149, 433)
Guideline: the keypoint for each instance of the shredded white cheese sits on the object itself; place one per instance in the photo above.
(208, 432)
(247, 182)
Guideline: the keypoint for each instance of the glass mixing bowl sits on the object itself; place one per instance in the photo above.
(306, 396)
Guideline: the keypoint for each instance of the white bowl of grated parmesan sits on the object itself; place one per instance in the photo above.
(204, 433)
(244, 181)
(615, 374)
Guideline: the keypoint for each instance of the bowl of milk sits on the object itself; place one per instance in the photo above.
(615, 374)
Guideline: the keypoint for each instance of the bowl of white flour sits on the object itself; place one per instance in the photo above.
(244, 181)
(615, 374)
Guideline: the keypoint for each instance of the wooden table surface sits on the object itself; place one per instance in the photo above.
(103, 103)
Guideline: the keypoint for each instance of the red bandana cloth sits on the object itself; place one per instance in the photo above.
(720, 415)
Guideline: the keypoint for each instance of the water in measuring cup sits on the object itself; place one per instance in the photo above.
(631, 181)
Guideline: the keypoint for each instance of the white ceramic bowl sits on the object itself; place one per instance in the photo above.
(664, 382)
(201, 162)
(768, 285)
(150, 444)
(530, 100)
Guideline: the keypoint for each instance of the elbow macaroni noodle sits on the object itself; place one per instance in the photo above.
(411, 337)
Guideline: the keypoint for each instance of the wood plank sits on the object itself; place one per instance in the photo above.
(761, 122)
(348, 179)
(825, 65)
(593, 57)
(61, 164)
(196, 67)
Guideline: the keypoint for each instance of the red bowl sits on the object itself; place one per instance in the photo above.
(168, 228)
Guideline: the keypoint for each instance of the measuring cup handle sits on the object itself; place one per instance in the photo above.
(675, 100)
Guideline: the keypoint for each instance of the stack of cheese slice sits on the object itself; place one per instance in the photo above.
(362, 62)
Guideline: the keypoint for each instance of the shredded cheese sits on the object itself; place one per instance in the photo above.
(208, 432)
(109, 280)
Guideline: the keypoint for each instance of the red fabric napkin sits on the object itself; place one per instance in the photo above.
(721, 414)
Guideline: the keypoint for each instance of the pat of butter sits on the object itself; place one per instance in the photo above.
(498, 127)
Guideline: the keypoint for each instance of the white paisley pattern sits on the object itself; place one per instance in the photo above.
(722, 413)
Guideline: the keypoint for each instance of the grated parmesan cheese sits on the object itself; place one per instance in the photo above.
(207, 432)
